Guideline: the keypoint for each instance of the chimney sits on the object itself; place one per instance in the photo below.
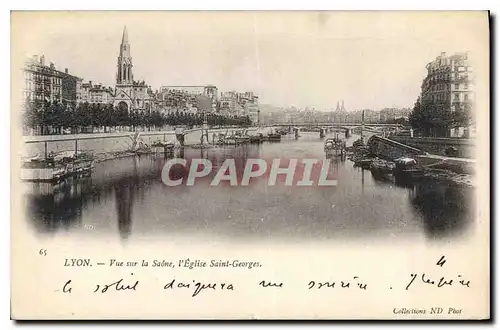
(443, 54)
(42, 60)
(52, 65)
(90, 83)
(66, 70)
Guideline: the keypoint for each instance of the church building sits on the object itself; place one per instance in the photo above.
(130, 94)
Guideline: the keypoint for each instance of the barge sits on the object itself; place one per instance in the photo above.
(55, 168)
(335, 147)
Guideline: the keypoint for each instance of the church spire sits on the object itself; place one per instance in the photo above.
(343, 105)
(124, 36)
(124, 74)
(338, 108)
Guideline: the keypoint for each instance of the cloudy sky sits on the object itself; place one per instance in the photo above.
(368, 59)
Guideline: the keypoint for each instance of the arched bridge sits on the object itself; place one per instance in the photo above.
(330, 124)
(349, 128)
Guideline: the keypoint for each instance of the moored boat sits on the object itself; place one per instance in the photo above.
(257, 138)
(334, 146)
(364, 163)
(242, 139)
(380, 166)
(274, 137)
(162, 146)
(42, 172)
(55, 167)
(407, 168)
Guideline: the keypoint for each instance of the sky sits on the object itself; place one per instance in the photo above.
(304, 59)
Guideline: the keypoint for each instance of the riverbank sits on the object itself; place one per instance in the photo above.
(118, 142)
(111, 155)
(455, 171)
(451, 178)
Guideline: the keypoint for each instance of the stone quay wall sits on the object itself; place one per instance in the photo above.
(106, 142)
(466, 147)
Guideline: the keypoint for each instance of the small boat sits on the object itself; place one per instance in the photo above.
(282, 131)
(56, 166)
(257, 138)
(160, 146)
(167, 144)
(407, 168)
(76, 163)
(242, 139)
(42, 171)
(335, 146)
(359, 145)
(296, 131)
(229, 141)
(382, 166)
(274, 137)
(364, 163)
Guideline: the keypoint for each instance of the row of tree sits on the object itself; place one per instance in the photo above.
(52, 118)
(431, 118)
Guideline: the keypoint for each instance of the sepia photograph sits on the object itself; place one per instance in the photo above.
(214, 157)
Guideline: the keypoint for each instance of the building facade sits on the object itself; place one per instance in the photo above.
(96, 93)
(130, 95)
(250, 104)
(240, 104)
(71, 88)
(393, 114)
(450, 83)
(229, 104)
(44, 83)
(188, 98)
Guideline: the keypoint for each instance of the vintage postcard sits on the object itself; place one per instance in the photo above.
(250, 165)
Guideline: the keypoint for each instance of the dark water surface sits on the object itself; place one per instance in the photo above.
(125, 199)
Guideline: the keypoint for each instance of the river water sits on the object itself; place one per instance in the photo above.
(126, 200)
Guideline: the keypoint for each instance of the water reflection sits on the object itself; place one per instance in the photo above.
(445, 209)
(128, 196)
(56, 206)
(124, 201)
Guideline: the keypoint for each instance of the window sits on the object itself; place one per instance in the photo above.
(457, 97)
(466, 86)
(466, 97)
(457, 86)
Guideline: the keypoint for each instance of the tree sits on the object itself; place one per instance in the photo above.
(463, 116)
(96, 112)
(57, 113)
(82, 116)
(122, 117)
(108, 114)
(433, 119)
(31, 116)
